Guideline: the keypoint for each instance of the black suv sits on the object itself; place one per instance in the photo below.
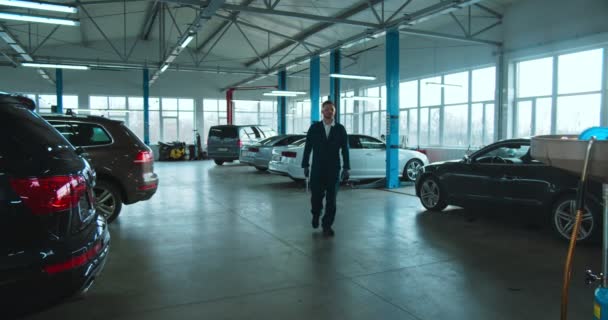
(124, 164)
(52, 241)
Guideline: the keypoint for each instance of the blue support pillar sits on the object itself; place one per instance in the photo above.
(315, 88)
(392, 110)
(59, 90)
(334, 83)
(282, 103)
(146, 87)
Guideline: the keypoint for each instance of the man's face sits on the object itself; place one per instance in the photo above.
(328, 111)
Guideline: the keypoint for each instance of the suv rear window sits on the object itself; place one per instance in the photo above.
(83, 134)
(28, 134)
(223, 132)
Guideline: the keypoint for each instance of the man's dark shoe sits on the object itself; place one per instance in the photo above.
(315, 222)
(328, 232)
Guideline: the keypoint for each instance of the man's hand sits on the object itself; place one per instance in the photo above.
(345, 175)
(306, 172)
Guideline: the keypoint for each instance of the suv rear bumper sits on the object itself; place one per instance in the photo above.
(31, 287)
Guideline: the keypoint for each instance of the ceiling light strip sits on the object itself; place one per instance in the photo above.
(54, 66)
(39, 19)
(39, 6)
(351, 76)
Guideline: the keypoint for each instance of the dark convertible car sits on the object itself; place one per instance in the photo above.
(505, 174)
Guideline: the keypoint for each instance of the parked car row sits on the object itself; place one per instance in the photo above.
(63, 179)
(282, 154)
(504, 174)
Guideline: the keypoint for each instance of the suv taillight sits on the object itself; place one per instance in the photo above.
(47, 195)
(144, 157)
(240, 143)
(289, 154)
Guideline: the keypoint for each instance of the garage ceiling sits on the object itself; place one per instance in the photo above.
(252, 38)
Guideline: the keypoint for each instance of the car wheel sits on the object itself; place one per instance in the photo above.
(108, 200)
(261, 169)
(219, 162)
(410, 171)
(563, 216)
(431, 194)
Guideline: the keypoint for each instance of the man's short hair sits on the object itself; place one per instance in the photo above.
(327, 102)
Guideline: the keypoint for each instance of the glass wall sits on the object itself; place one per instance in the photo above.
(559, 94)
(171, 119)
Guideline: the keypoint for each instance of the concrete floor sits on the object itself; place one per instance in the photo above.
(233, 243)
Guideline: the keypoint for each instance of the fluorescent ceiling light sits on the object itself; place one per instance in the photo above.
(187, 41)
(326, 53)
(288, 92)
(39, 6)
(351, 76)
(164, 68)
(170, 58)
(29, 18)
(443, 84)
(304, 61)
(54, 66)
(279, 94)
(17, 48)
(6, 37)
(361, 98)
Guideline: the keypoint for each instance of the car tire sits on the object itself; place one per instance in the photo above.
(261, 169)
(562, 219)
(432, 195)
(108, 200)
(219, 162)
(410, 170)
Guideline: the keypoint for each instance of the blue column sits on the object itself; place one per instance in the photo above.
(282, 103)
(334, 83)
(315, 88)
(392, 108)
(146, 87)
(59, 89)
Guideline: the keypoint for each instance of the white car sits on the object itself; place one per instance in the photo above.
(367, 160)
(278, 163)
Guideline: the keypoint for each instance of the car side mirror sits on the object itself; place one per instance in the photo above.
(467, 159)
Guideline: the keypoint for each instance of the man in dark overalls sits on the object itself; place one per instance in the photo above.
(325, 139)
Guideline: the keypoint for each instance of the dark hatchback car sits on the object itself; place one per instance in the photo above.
(124, 164)
(53, 243)
(224, 142)
(504, 174)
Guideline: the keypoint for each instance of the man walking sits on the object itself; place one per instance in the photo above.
(325, 139)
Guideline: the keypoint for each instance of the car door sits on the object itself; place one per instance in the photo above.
(525, 181)
(476, 178)
(357, 156)
(374, 165)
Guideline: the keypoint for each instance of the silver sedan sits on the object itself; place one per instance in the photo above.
(260, 154)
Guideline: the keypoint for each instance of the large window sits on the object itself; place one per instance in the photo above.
(214, 113)
(170, 119)
(558, 94)
(452, 110)
(44, 102)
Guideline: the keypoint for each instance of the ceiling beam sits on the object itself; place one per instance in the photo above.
(305, 34)
(429, 34)
(146, 29)
(300, 15)
(275, 33)
(488, 10)
(411, 19)
(223, 25)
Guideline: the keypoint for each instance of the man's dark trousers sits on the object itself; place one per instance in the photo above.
(324, 185)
